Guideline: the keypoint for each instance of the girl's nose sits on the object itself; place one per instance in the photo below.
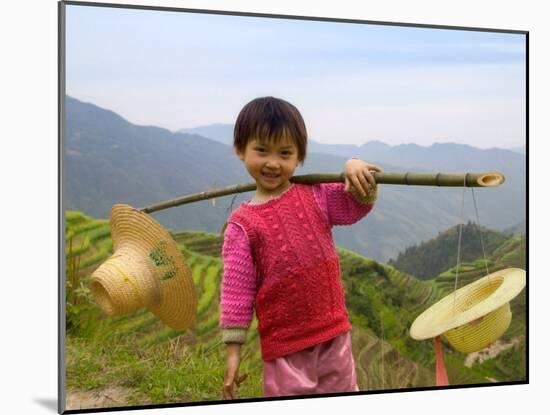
(272, 164)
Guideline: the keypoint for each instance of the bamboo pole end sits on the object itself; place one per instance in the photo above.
(491, 179)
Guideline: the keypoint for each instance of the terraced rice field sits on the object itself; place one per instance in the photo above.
(202, 252)
(379, 357)
(380, 366)
(89, 241)
(382, 300)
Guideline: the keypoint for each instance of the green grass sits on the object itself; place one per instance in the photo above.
(166, 373)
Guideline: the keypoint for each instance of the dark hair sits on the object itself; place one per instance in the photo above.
(270, 119)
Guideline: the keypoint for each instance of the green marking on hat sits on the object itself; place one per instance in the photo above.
(159, 255)
(168, 275)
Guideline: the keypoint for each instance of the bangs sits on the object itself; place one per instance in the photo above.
(271, 120)
(276, 136)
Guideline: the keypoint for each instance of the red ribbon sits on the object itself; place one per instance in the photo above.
(441, 378)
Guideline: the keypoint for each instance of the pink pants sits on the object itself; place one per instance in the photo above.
(325, 368)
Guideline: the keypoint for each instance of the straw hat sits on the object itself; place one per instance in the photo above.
(146, 270)
(475, 315)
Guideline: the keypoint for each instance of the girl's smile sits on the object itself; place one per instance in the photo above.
(271, 164)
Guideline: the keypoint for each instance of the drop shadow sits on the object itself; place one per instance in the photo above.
(48, 403)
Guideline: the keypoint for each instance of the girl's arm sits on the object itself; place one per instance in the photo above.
(237, 302)
(338, 206)
(343, 207)
(345, 204)
(238, 289)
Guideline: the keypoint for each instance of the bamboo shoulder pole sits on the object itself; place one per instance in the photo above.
(490, 179)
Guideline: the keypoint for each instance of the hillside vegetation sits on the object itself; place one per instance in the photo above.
(136, 360)
(430, 258)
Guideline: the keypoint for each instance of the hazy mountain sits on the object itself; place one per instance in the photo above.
(449, 156)
(108, 160)
(222, 133)
(520, 150)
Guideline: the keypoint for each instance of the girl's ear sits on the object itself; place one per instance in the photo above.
(239, 153)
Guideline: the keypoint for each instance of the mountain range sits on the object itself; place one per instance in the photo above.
(108, 160)
(409, 155)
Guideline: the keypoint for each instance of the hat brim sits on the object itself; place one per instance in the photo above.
(469, 303)
(177, 307)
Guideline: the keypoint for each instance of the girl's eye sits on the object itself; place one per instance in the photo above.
(260, 149)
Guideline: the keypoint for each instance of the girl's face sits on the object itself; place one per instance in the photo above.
(270, 164)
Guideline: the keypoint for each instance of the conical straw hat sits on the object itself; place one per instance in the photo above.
(475, 315)
(146, 270)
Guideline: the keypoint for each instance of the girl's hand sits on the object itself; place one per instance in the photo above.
(232, 380)
(357, 176)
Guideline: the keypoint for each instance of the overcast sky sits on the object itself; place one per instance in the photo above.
(352, 82)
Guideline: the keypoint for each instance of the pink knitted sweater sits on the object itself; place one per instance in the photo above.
(244, 286)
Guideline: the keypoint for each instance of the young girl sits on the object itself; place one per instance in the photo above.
(280, 259)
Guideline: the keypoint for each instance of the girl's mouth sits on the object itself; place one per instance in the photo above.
(270, 175)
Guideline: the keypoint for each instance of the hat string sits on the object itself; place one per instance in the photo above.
(480, 235)
(460, 239)
(459, 244)
(441, 377)
(441, 372)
